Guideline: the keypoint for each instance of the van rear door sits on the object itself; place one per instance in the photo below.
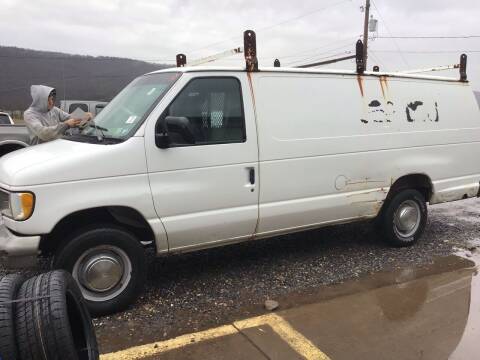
(206, 191)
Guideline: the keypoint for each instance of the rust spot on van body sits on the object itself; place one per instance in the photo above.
(250, 83)
(360, 84)
(383, 84)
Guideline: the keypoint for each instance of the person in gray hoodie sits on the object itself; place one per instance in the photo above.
(45, 121)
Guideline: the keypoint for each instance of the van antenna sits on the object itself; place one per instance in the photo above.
(250, 48)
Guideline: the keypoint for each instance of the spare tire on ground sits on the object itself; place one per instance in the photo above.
(52, 320)
(9, 286)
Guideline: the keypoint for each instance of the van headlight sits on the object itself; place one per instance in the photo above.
(19, 205)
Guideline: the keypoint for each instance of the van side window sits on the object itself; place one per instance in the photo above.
(74, 106)
(4, 119)
(99, 108)
(214, 110)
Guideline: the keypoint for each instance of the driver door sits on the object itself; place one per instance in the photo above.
(205, 190)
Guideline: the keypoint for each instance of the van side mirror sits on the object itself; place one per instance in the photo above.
(180, 126)
(162, 140)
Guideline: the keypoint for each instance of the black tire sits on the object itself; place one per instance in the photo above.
(53, 321)
(106, 235)
(9, 286)
(390, 231)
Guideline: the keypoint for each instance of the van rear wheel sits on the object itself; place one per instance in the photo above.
(404, 218)
(108, 264)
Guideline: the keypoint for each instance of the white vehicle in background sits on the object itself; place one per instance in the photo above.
(12, 137)
(91, 106)
(5, 119)
(189, 158)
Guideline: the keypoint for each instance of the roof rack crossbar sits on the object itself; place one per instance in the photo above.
(215, 57)
(331, 61)
(436, 68)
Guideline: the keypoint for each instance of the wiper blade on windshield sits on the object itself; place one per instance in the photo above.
(98, 130)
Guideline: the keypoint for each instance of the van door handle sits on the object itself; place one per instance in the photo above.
(251, 175)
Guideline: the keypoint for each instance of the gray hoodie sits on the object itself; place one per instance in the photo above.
(44, 125)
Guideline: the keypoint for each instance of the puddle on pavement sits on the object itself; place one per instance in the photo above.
(428, 312)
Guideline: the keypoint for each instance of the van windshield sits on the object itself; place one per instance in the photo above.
(122, 116)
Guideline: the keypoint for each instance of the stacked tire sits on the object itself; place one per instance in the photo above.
(45, 318)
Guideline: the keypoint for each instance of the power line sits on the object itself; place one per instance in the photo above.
(386, 27)
(377, 59)
(268, 27)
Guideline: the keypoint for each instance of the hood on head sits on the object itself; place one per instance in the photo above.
(40, 97)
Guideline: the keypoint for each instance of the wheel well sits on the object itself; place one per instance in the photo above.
(128, 218)
(420, 182)
(8, 148)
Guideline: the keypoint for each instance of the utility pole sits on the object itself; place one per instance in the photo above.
(365, 32)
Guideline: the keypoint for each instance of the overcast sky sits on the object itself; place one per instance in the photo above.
(294, 31)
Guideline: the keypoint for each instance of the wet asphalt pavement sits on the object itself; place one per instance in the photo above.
(192, 292)
(428, 312)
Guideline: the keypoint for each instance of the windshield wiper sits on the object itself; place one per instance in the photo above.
(99, 131)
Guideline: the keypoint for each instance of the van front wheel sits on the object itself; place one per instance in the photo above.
(404, 218)
(108, 264)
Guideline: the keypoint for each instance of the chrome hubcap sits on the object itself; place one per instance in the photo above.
(103, 272)
(407, 218)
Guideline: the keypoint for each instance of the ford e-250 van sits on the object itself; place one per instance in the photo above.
(189, 158)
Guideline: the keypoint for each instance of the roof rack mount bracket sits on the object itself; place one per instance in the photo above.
(359, 57)
(463, 67)
(181, 60)
(250, 49)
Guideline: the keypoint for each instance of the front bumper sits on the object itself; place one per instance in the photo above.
(18, 251)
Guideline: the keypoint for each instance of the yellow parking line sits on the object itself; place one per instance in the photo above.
(139, 352)
(293, 338)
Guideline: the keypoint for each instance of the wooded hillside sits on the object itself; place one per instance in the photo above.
(75, 77)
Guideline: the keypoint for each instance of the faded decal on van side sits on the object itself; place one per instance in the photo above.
(418, 111)
(379, 112)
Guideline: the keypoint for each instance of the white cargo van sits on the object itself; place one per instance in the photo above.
(189, 158)
(91, 106)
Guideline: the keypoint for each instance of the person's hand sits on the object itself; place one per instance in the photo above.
(73, 122)
(88, 116)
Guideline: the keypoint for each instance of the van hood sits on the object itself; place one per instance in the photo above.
(64, 160)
